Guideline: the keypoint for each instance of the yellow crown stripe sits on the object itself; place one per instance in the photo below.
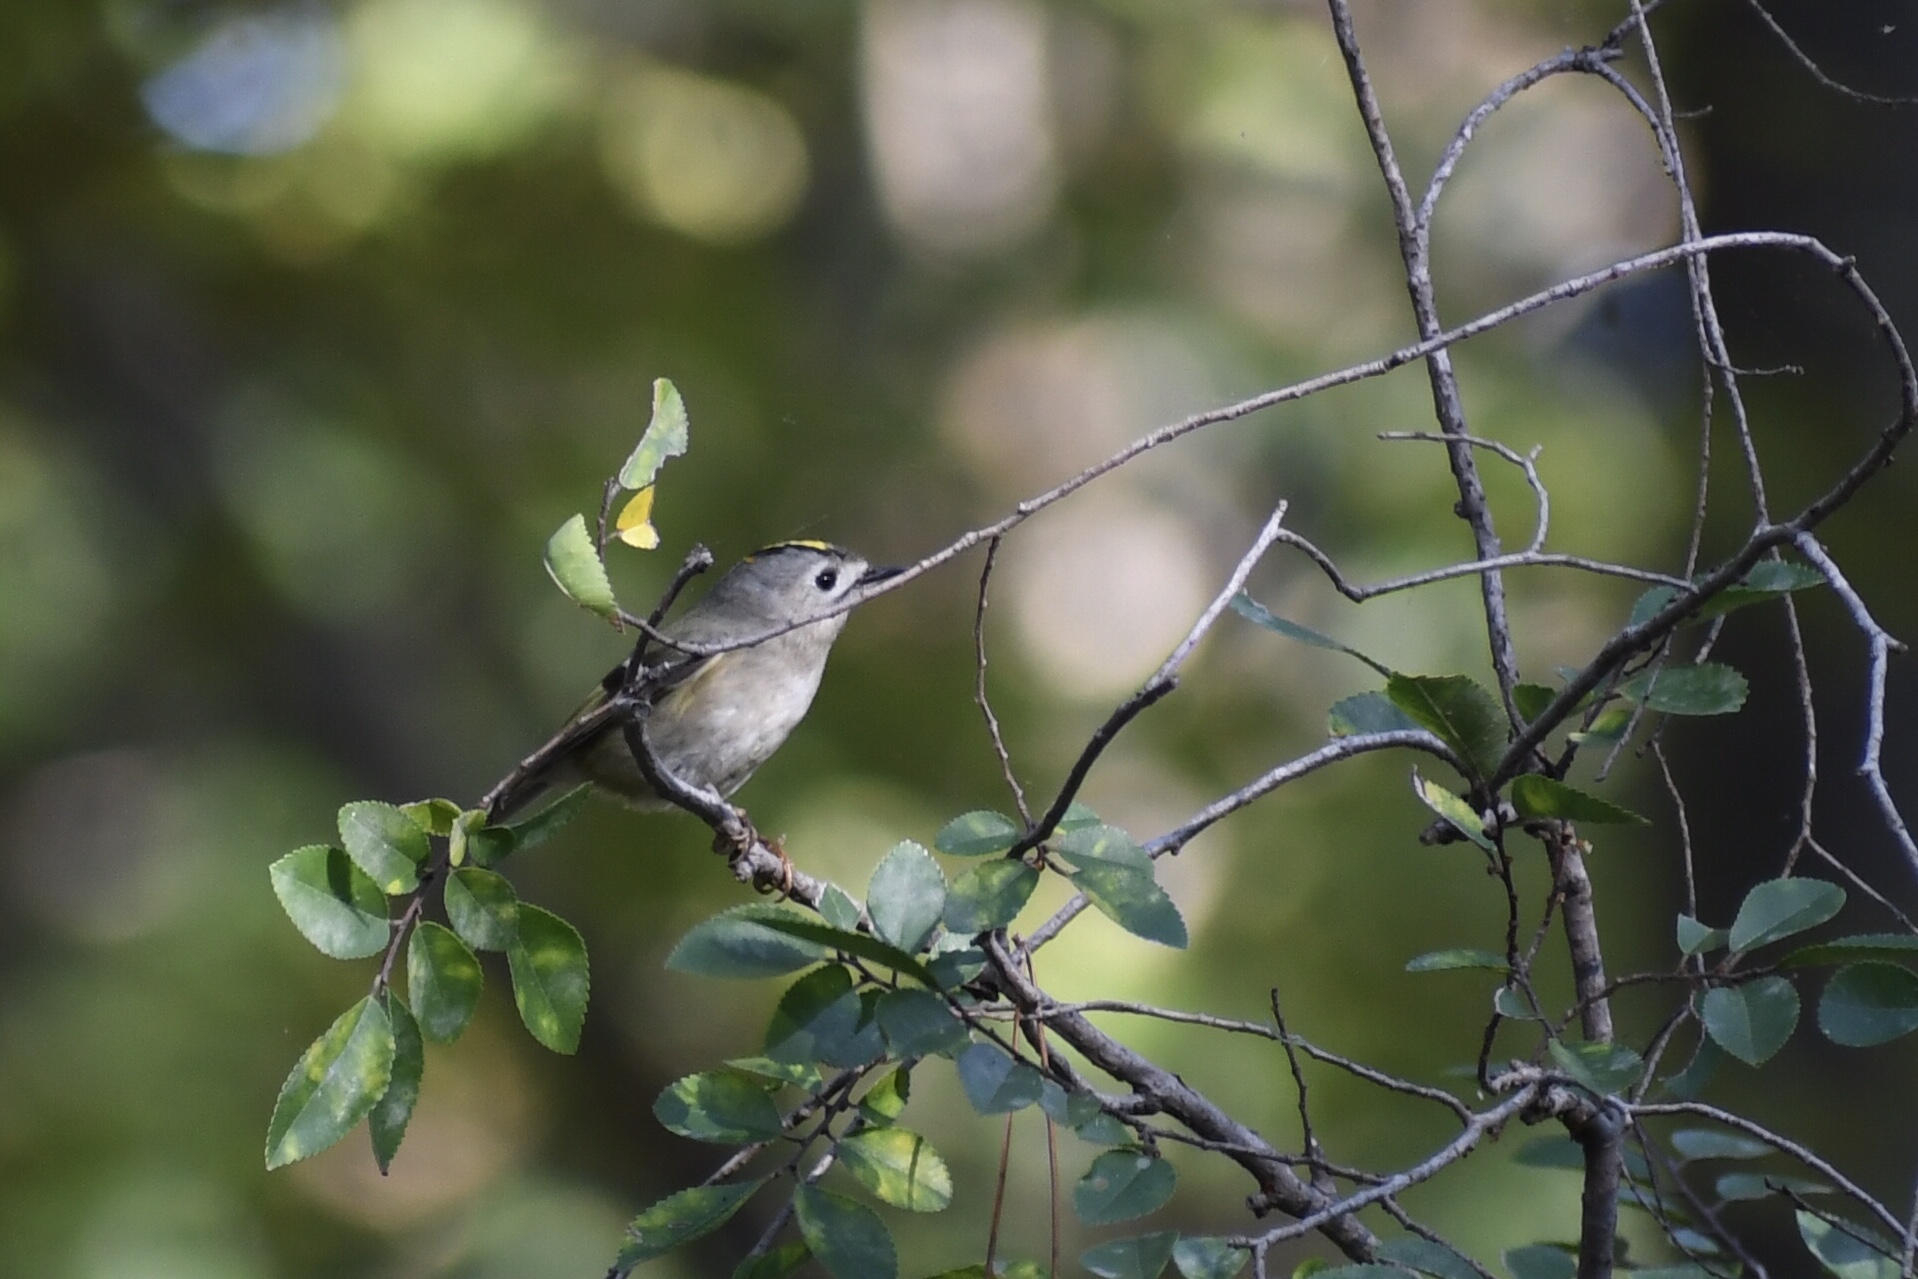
(802, 544)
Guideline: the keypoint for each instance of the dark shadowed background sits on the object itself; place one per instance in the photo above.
(316, 318)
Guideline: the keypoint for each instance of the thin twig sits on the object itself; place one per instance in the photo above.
(979, 685)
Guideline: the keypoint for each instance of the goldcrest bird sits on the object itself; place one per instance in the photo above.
(715, 719)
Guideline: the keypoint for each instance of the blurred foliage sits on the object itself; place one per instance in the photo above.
(317, 318)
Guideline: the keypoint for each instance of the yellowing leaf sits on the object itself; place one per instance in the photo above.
(635, 523)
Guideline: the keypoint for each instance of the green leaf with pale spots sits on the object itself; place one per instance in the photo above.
(1541, 797)
(547, 961)
(385, 843)
(575, 567)
(723, 1106)
(388, 1120)
(898, 1167)
(1122, 1185)
(1848, 1250)
(1130, 897)
(482, 907)
(667, 435)
(442, 981)
(886, 1100)
(848, 1238)
(977, 834)
(1454, 810)
(906, 896)
(680, 1219)
(434, 816)
(333, 903)
(1141, 1257)
(336, 1082)
(1457, 711)
(1099, 843)
(989, 896)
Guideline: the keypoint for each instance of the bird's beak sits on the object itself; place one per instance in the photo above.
(879, 573)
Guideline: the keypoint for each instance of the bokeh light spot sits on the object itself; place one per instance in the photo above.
(256, 85)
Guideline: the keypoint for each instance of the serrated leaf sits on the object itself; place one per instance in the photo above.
(333, 903)
(906, 896)
(1453, 809)
(1531, 700)
(994, 1083)
(1709, 1143)
(1425, 1257)
(666, 436)
(1541, 797)
(775, 1263)
(681, 1218)
(573, 563)
(979, 833)
(724, 1106)
(917, 1023)
(1695, 938)
(1603, 1068)
(1844, 950)
(1122, 1185)
(848, 1238)
(989, 896)
(1367, 713)
(1608, 727)
(551, 981)
(385, 843)
(800, 1075)
(1077, 815)
(886, 1100)
(1253, 611)
(1706, 689)
(1767, 581)
(1131, 898)
(442, 981)
(482, 907)
(1099, 844)
(1752, 1021)
(388, 1119)
(1142, 1257)
(1206, 1258)
(837, 908)
(634, 523)
(860, 944)
(737, 943)
(898, 1167)
(1845, 1251)
(1869, 1003)
(1540, 1261)
(1738, 1186)
(434, 816)
(1458, 712)
(338, 1079)
(1439, 961)
(474, 840)
(1778, 908)
(818, 1019)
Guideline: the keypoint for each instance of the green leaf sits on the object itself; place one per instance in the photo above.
(1510, 1001)
(1737, 1186)
(666, 436)
(547, 822)
(737, 943)
(1766, 581)
(1103, 1130)
(1077, 815)
(442, 981)
(798, 1074)
(957, 966)
(550, 978)
(977, 834)
(1844, 1252)
(1603, 1068)
(1688, 1083)
(336, 1082)
(574, 564)
(1843, 950)
(989, 896)
(886, 1100)
(1439, 961)
(1541, 797)
(1706, 689)
(1425, 1257)
(1131, 898)
(906, 896)
(482, 907)
(1608, 727)
(1142, 1257)
(434, 816)
(898, 1168)
(475, 841)
(1253, 611)
(994, 1082)
(1122, 1185)
(1778, 908)
(917, 1023)
(818, 1019)
(1695, 938)
(1531, 700)
(682, 1218)
(725, 1106)
(1869, 1003)
(1367, 713)
(848, 1238)
(1453, 809)
(387, 1121)
(1205, 1258)
(1540, 1261)
(1709, 1143)
(385, 843)
(1550, 1152)
(859, 944)
(775, 1263)
(837, 908)
(1459, 712)
(1365, 1270)
(1100, 844)
(333, 903)
(1752, 1021)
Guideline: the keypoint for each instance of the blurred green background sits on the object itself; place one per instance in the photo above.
(316, 318)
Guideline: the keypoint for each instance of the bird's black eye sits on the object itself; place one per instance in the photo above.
(827, 579)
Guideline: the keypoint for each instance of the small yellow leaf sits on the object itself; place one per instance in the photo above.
(635, 523)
